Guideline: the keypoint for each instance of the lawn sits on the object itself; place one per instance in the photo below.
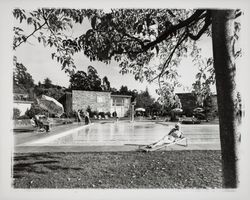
(163, 169)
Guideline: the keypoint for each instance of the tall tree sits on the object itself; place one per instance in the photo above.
(94, 80)
(225, 69)
(22, 80)
(105, 84)
(134, 37)
(47, 83)
(86, 81)
(124, 90)
(144, 100)
(168, 98)
(79, 81)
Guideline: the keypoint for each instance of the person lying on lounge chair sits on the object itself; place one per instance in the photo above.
(42, 123)
(171, 137)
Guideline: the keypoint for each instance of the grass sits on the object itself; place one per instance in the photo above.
(166, 169)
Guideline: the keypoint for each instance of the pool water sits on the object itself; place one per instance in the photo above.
(120, 133)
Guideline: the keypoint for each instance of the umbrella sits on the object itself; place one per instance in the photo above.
(198, 110)
(177, 110)
(51, 105)
(140, 109)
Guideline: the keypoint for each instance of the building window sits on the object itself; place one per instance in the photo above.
(100, 99)
(126, 102)
(118, 101)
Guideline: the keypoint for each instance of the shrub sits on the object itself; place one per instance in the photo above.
(91, 113)
(114, 114)
(89, 109)
(108, 114)
(34, 110)
(16, 113)
(72, 114)
(102, 114)
(95, 113)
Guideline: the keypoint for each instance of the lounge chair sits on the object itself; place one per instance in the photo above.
(145, 147)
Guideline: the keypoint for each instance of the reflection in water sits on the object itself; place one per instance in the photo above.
(124, 132)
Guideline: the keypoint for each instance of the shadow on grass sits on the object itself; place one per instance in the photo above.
(59, 167)
(36, 156)
(37, 163)
(20, 169)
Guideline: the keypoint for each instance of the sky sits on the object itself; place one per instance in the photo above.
(37, 59)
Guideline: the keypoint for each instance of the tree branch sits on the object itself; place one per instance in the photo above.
(238, 13)
(174, 28)
(167, 62)
(208, 22)
(49, 28)
(24, 40)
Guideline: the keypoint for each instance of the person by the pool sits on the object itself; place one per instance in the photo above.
(87, 119)
(79, 118)
(42, 122)
(173, 134)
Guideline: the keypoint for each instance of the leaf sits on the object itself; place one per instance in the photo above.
(21, 19)
(64, 64)
(157, 49)
(93, 22)
(89, 33)
(53, 55)
(139, 28)
(29, 20)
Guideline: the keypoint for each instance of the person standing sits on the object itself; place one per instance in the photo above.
(87, 119)
(79, 118)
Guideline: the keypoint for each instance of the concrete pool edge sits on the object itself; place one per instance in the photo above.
(88, 149)
(54, 137)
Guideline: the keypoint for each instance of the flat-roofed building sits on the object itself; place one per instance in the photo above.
(97, 101)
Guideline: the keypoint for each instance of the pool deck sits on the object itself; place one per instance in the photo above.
(22, 140)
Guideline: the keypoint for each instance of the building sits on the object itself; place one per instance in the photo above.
(120, 104)
(22, 106)
(22, 102)
(98, 101)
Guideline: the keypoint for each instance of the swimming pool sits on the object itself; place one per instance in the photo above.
(121, 133)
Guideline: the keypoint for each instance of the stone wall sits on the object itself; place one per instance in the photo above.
(98, 101)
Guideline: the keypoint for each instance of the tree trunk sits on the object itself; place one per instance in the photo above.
(224, 64)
